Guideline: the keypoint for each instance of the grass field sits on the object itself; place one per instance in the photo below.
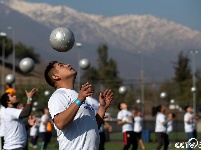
(116, 142)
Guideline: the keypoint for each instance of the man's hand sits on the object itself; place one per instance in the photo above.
(32, 93)
(105, 98)
(85, 91)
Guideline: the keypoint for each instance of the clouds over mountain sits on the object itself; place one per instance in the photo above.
(130, 32)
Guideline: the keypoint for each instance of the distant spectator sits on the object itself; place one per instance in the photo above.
(188, 123)
(126, 120)
(160, 128)
(138, 126)
(169, 127)
(45, 118)
(34, 133)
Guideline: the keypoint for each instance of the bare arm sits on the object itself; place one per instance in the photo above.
(120, 122)
(104, 99)
(66, 117)
(108, 126)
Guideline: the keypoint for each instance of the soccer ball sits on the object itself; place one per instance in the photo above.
(10, 78)
(26, 65)
(84, 64)
(62, 39)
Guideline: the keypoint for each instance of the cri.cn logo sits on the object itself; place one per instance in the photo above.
(192, 143)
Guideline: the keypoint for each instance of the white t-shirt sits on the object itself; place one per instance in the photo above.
(34, 130)
(94, 103)
(42, 127)
(15, 132)
(124, 115)
(188, 127)
(169, 126)
(82, 133)
(138, 124)
(160, 127)
(2, 128)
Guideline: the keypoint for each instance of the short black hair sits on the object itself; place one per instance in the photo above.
(159, 108)
(119, 106)
(47, 75)
(173, 115)
(4, 99)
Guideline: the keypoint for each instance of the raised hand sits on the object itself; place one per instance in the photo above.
(32, 93)
(105, 98)
(85, 91)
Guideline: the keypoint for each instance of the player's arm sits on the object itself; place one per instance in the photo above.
(28, 107)
(104, 99)
(64, 118)
(108, 126)
(121, 122)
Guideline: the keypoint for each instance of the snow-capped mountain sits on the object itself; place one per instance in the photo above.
(133, 32)
(125, 36)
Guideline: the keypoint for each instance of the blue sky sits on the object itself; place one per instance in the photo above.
(185, 12)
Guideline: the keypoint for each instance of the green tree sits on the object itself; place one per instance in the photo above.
(182, 69)
(106, 73)
(181, 83)
(8, 46)
(107, 69)
(23, 51)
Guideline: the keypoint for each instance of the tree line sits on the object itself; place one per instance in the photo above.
(106, 75)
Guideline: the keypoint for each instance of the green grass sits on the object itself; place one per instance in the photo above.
(116, 142)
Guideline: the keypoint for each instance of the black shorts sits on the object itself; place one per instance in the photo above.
(138, 135)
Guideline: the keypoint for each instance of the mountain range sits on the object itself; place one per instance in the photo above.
(135, 42)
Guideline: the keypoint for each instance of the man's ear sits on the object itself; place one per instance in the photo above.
(55, 76)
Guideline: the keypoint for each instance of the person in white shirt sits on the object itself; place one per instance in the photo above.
(188, 123)
(34, 132)
(169, 127)
(160, 128)
(74, 118)
(125, 119)
(138, 120)
(195, 122)
(15, 131)
(42, 128)
(2, 130)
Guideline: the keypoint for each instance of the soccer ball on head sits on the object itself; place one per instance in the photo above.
(62, 39)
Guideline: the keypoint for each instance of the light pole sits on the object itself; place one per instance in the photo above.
(193, 89)
(79, 45)
(142, 82)
(13, 39)
(3, 35)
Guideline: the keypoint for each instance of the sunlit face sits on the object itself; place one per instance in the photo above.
(13, 98)
(133, 112)
(139, 114)
(163, 109)
(64, 70)
(123, 106)
(46, 111)
(189, 109)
